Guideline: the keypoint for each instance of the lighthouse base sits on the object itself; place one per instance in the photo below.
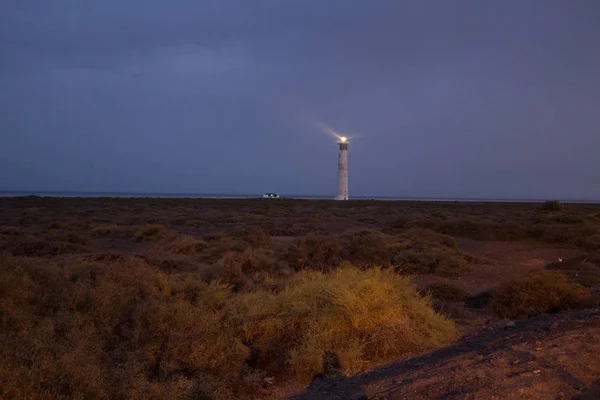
(341, 198)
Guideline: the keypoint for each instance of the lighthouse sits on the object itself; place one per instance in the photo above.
(342, 185)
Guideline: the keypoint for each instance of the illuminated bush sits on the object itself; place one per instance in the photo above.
(364, 317)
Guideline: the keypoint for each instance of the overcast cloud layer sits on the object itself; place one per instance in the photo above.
(456, 98)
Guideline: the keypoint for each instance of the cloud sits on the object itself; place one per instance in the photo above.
(463, 98)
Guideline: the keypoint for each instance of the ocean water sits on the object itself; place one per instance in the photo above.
(289, 196)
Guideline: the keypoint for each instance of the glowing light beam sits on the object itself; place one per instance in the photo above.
(343, 137)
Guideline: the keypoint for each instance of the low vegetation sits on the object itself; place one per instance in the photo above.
(365, 247)
(552, 205)
(113, 231)
(420, 251)
(215, 299)
(115, 327)
(187, 245)
(363, 317)
(150, 233)
(540, 292)
(320, 252)
(244, 270)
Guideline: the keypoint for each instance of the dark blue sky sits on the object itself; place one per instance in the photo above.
(461, 98)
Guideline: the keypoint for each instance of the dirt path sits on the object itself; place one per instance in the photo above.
(549, 357)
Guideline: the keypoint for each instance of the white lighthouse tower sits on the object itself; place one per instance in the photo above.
(342, 186)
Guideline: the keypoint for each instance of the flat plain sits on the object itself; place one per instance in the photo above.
(154, 298)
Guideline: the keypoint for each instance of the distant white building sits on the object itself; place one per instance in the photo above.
(342, 186)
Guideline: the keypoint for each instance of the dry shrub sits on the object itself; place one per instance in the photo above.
(453, 267)
(77, 238)
(446, 292)
(196, 223)
(552, 205)
(150, 233)
(174, 265)
(421, 251)
(255, 238)
(578, 235)
(365, 247)
(187, 245)
(539, 292)
(198, 341)
(293, 229)
(218, 246)
(243, 270)
(121, 329)
(424, 238)
(94, 330)
(11, 231)
(364, 317)
(191, 221)
(108, 257)
(48, 350)
(30, 246)
(477, 228)
(114, 231)
(66, 236)
(237, 241)
(241, 217)
(319, 252)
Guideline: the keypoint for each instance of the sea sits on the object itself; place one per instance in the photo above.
(283, 196)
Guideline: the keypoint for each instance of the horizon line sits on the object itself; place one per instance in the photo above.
(70, 193)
